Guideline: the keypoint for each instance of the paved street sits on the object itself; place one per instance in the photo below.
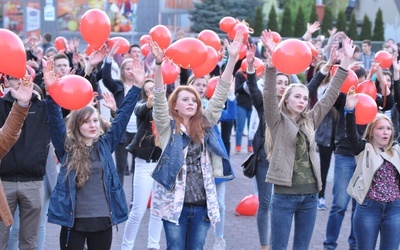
(240, 231)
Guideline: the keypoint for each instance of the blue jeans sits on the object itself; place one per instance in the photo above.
(344, 169)
(372, 218)
(191, 231)
(304, 209)
(219, 227)
(264, 198)
(241, 115)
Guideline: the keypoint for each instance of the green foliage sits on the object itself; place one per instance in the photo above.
(258, 22)
(327, 21)
(272, 20)
(341, 22)
(286, 27)
(366, 29)
(379, 27)
(206, 14)
(300, 25)
(352, 31)
(313, 14)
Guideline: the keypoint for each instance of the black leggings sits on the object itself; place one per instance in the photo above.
(100, 240)
(325, 155)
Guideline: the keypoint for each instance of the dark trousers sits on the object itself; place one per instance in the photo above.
(73, 240)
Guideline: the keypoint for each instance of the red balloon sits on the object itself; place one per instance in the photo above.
(170, 71)
(124, 45)
(276, 37)
(384, 59)
(12, 54)
(95, 27)
(89, 50)
(314, 52)
(367, 87)
(365, 110)
(187, 52)
(161, 35)
(210, 38)
(208, 65)
(145, 49)
(211, 85)
(227, 23)
(243, 51)
(291, 56)
(258, 65)
(60, 43)
(72, 92)
(144, 39)
(351, 80)
(240, 26)
(248, 206)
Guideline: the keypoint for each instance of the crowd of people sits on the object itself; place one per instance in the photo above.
(178, 138)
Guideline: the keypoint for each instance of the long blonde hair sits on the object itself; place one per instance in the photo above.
(304, 124)
(369, 135)
(78, 155)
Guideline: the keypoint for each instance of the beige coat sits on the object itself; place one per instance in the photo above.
(284, 131)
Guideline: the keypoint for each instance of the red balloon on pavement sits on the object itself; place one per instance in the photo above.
(248, 206)
(12, 54)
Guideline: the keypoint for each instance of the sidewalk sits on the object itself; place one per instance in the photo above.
(240, 231)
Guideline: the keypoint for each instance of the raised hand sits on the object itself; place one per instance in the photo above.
(351, 98)
(113, 50)
(312, 27)
(139, 73)
(348, 47)
(109, 101)
(250, 54)
(49, 76)
(24, 92)
(333, 56)
(98, 56)
(234, 47)
(156, 51)
(267, 40)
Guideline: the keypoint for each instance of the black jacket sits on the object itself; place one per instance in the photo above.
(26, 160)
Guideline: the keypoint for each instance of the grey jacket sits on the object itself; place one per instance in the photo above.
(284, 131)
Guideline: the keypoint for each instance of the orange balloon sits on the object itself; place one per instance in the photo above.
(12, 54)
(187, 52)
(60, 43)
(161, 35)
(248, 206)
(227, 23)
(384, 59)
(170, 71)
(124, 45)
(258, 65)
(208, 65)
(291, 56)
(243, 51)
(210, 38)
(276, 37)
(145, 49)
(72, 92)
(365, 110)
(240, 26)
(95, 27)
(211, 85)
(144, 39)
(367, 87)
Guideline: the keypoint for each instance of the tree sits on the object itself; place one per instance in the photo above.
(379, 27)
(352, 31)
(327, 21)
(366, 29)
(313, 14)
(341, 21)
(206, 15)
(300, 25)
(286, 27)
(272, 20)
(258, 22)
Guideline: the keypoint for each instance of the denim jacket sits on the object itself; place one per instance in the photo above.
(63, 198)
(170, 172)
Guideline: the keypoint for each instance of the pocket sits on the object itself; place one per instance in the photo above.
(396, 203)
(367, 203)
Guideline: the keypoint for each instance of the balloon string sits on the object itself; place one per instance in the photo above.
(251, 30)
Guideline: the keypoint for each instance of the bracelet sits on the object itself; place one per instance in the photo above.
(158, 63)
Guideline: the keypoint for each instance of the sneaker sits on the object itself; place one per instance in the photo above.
(321, 204)
(238, 149)
(219, 244)
(250, 149)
